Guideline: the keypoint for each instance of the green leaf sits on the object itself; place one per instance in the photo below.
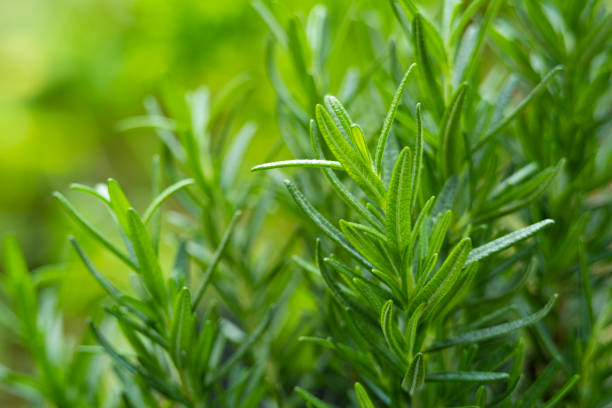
(474, 58)
(363, 397)
(105, 283)
(466, 376)
(147, 260)
(335, 182)
(236, 154)
(415, 376)
(412, 327)
(450, 153)
(321, 222)
(340, 116)
(384, 133)
(428, 82)
(245, 346)
(417, 162)
(506, 241)
(271, 21)
(163, 196)
(311, 399)
(367, 247)
(215, 260)
(334, 165)
(180, 331)
(444, 278)
(494, 331)
(22, 288)
(398, 211)
(119, 204)
(390, 331)
(532, 395)
(91, 230)
(91, 191)
(359, 171)
(499, 126)
(359, 142)
(162, 385)
(561, 393)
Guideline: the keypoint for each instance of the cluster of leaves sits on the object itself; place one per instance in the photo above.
(420, 254)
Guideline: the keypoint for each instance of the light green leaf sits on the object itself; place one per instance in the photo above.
(390, 331)
(415, 376)
(359, 171)
(494, 331)
(163, 196)
(499, 126)
(444, 278)
(466, 376)
(311, 399)
(180, 331)
(215, 260)
(363, 397)
(329, 164)
(384, 133)
(450, 129)
(398, 211)
(506, 241)
(91, 230)
(321, 222)
(417, 162)
(148, 264)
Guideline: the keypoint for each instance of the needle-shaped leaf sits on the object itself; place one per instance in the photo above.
(561, 393)
(506, 241)
(346, 195)
(91, 230)
(235, 155)
(398, 211)
(363, 397)
(311, 399)
(163, 196)
(271, 21)
(329, 164)
(444, 278)
(340, 117)
(417, 162)
(245, 346)
(390, 330)
(163, 386)
(180, 331)
(119, 204)
(415, 376)
(494, 331)
(499, 126)
(147, 259)
(351, 161)
(105, 283)
(366, 246)
(450, 130)
(359, 142)
(326, 227)
(91, 191)
(381, 144)
(428, 83)
(215, 259)
(466, 376)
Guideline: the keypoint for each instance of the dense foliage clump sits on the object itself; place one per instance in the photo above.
(450, 246)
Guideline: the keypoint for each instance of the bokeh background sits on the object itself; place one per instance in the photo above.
(71, 69)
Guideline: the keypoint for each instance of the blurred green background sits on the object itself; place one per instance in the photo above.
(70, 70)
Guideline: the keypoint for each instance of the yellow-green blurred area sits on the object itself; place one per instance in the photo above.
(71, 69)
